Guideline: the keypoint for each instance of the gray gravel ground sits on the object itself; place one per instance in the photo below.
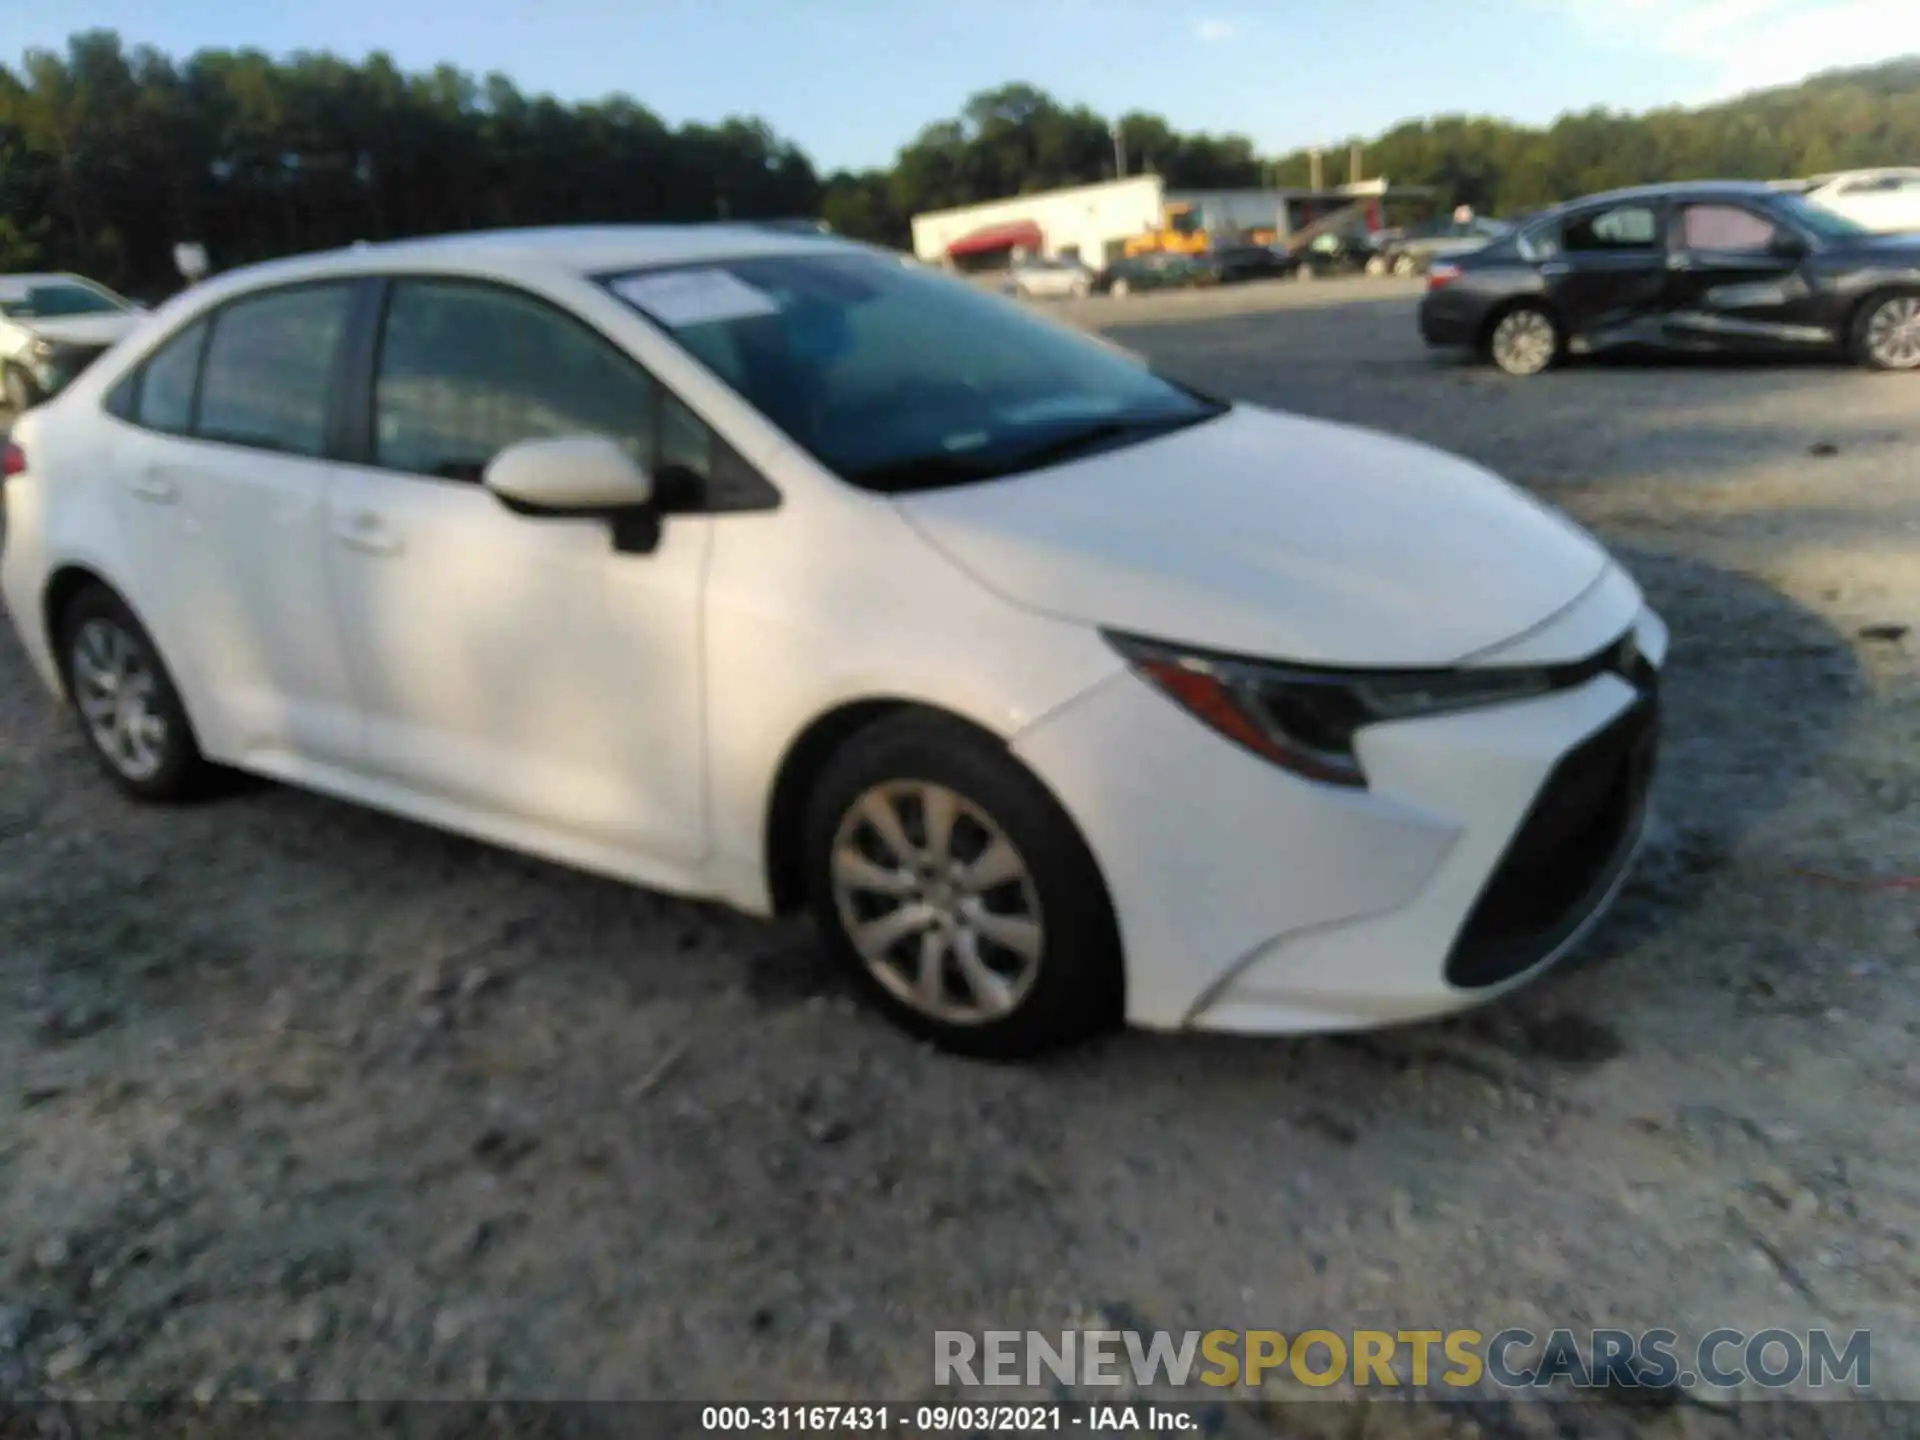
(298, 1100)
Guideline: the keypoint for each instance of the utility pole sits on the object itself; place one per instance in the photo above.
(1119, 153)
(1313, 168)
(1355, 157)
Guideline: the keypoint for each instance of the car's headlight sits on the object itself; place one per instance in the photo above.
(44, 349)
(1306, 719)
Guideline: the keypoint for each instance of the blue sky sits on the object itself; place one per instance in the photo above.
(852, 80)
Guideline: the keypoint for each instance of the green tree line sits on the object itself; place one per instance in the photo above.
(110, 155)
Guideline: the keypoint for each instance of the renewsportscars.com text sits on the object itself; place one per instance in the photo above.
(1512, 1358)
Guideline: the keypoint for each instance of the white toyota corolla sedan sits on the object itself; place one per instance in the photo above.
(761, 566)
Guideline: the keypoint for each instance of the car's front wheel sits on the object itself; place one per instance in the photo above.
(1120, 289)
(1524, 341)
(951, 885)
(1887, 334)
(1405, 266)
(129, 710)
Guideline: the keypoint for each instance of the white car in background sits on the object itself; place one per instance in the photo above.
(51, 328)
(759, 566)
(1884, 201)
(1039, 278)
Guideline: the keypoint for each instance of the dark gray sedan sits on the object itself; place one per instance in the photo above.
(1708, 266)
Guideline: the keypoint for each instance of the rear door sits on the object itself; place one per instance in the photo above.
(224, 488)
(1730, 284)
(1609, 277)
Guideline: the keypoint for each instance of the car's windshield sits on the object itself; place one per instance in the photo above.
(58, 300)
(898, 379)
(1823, 222)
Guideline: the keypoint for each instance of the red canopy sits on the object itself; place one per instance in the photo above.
(1023, 233)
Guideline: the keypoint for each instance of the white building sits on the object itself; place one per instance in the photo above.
(1094, 222)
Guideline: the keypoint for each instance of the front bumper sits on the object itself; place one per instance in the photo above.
(1250, 900)
(1443, 322)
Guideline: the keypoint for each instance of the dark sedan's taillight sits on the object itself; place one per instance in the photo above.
(13, 460)
(1441, 276)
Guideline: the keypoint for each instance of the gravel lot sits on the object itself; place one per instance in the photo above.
(297, 1100)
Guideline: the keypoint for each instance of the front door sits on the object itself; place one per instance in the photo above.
(1731, 282)
(520, 670)
(1609, 276)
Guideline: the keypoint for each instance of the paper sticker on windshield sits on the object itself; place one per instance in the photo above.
(695, 297)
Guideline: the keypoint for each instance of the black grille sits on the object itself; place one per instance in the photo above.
(1567, 852)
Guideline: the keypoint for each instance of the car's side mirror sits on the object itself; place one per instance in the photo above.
(1788, 246)
(580, 475)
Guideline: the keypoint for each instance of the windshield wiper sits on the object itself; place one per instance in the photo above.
(955, 468)
(1100, 433)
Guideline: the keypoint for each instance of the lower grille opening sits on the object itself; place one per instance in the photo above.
(1565, 855)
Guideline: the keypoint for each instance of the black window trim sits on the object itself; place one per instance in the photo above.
(361, 371)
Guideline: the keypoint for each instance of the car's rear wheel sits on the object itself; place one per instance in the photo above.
(958, 894)
(1120, 289)
(21, 392)
(128, 708)
(1524, 341)
(1405, 265)
(1886, 336)
(1081, 288)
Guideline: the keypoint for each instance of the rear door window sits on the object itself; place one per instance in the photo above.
(269, 368)
(167, 381)
(1628, 228)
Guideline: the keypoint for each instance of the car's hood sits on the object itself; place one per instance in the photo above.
(1271, 535)
(83, 329)
(1900, 247)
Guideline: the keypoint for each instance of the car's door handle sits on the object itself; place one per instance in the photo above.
(154, 486)
(1680, 262)
(1555, 267)
(364, 530)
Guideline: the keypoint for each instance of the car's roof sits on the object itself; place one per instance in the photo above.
(20, 284)
(1667, 190)
(579, 249)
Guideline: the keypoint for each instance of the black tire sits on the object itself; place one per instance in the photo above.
(1861, 342)
(1077, 987)
(1542, 323)
(182, 771)
(21, 392)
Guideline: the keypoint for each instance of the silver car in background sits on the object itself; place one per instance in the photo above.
(51, 328)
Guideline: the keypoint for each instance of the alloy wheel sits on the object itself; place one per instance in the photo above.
(1120, 289)
(937, 901)
(1524, 342)
(115, 690)
(1893, 334)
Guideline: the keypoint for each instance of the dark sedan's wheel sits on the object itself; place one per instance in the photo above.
(1524, 341)
(1887, 334)
(21, 392)
(1120, 288)
(128, 708)
(958, 894)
